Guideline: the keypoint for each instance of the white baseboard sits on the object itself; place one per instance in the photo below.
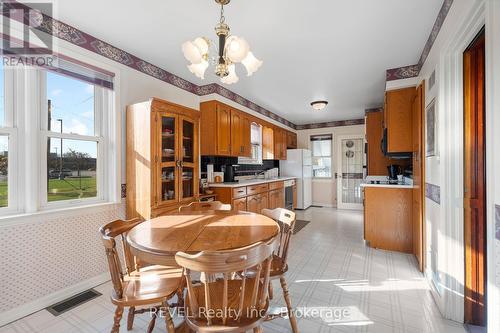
(324, 205)
(41, 303)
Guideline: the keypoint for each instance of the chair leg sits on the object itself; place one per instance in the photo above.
(130, 318)
(152, 323)
(291, 316)
(270, 290)
(169, 323)
(118, 317)
(257, 330)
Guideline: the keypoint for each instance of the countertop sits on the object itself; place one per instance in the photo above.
(387, 185)
(405, 183)
(250, 182)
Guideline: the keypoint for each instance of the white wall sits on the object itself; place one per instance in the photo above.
(445, 220)
(50, 256)
(325, 190)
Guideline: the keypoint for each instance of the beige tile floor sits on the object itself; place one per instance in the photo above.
(331, 270)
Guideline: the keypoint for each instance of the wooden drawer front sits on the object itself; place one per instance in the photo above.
(256, 189)
(276, 185)
(239, 192)
(240, 204)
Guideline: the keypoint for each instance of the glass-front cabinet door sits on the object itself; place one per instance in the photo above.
(188, 160)
(167, 159)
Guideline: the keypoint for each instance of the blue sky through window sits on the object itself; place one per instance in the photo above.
(72, 101)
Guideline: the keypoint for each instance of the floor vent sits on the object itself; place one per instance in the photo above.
(72, 302)
(316, 206)
(299, 225)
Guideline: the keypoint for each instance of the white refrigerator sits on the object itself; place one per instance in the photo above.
(299, 164)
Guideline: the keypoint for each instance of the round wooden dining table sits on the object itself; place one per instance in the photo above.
(156, 241)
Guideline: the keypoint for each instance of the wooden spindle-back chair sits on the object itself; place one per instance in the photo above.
(228, 300)
(136, 286)
(207, 205)
(286, 219)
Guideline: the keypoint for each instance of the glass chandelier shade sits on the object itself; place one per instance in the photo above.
(231, 50)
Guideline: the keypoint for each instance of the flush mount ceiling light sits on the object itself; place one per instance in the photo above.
(232, 50)
(319, 105)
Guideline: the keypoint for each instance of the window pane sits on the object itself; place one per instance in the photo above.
(72, 175)
(322, 167)
(4, 161)
(70, 104)
(2, 95)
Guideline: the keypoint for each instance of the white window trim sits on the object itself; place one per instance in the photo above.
(28, 144)
(99, 109)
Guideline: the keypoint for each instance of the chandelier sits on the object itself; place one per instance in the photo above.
(232, 50)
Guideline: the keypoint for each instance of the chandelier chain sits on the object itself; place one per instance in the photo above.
(222, 17)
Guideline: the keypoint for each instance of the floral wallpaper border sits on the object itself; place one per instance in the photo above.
(331, 124)
(414, 70)
(77, 37)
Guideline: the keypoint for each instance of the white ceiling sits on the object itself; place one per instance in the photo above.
(336, 50)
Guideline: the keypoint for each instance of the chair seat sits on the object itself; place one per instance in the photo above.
(149, 285)
(248, 320)
(278, 266)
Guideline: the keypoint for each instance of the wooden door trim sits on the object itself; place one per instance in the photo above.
(475, 182)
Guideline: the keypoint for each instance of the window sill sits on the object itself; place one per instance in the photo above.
(54, 213)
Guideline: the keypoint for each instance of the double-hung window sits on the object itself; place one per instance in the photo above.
(66, 155)
(73, 135)
(321, 146)
(8, 136)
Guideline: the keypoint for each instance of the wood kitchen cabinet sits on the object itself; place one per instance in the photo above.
(267, 143)
(225, 130)
(162, 157)
(280, 140)
(276, 199)
(291, 140)
(256, 203)
(240, 134)
(240, 204)
(388, 218)
(376, 161)
(398, 119)
(253, 198)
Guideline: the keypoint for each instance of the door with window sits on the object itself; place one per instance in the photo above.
(350, 172)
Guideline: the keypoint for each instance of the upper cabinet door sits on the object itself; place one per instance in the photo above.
(237, 148)
(398, 119)
(223, 130)
(188, 165)
(267, 143)
(246, 130)
(167, 191)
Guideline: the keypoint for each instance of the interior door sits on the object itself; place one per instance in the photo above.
(350, 172)
(475, 182)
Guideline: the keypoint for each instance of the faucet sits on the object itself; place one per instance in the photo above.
(260, 173)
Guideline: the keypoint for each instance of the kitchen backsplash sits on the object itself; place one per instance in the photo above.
(242, 170)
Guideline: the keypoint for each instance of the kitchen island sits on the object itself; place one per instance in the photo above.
(388, 216)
